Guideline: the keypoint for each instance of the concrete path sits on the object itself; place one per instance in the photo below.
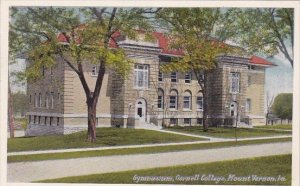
(140, 146)
(32, 171)
(284, 130)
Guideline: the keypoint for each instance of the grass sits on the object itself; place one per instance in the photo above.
(105, 137)
(246, 169)
(144, 150)
(225, 132)
(277, 126)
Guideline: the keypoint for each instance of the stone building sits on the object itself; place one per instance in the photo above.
(148, 98)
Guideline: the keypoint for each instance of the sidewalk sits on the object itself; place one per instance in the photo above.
(211, 140)
(33, 171)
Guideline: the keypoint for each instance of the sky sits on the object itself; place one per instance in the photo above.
(279, 79)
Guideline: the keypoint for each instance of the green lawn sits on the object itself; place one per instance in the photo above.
(247, 170)
(225, 132)
(144, 150)
(105, 137)
(277, 126)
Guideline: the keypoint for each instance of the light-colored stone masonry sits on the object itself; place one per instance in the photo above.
(117, 105)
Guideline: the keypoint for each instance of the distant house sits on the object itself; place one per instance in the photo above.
(148, 98)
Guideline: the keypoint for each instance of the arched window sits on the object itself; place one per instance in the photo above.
(199, 101)
(160, 99)
(187, 100)
(173, 99)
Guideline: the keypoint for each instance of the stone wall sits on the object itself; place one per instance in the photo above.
(256, 93)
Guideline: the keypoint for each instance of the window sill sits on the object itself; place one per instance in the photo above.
(199, 110)
(187, 110)
(94, 75)
(172, 109)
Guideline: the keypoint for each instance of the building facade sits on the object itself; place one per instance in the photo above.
(148, 98)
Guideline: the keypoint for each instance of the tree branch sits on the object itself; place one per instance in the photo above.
(83, 81)
(69, 63)
(278, 35)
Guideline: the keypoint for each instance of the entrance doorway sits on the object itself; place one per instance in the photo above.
(233, 109)
(140, 111)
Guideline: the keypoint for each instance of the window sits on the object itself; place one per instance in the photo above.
(30, 98)
(160, 99)
(200, 121)
(29, 119)
(35, 100)
(160, 76)
(57, 121)
(160, 102)
(249, 81)
(187, 121)
(39, 120)
(174, 77)
(45, 122)
(47, 100)
(187, 100)
(52, 100)
(34, 119)
(173, 121)
(173, 102)
(141, 76)
(188, 77)
(234, 82)
(51, 121)
(94, 71)
(199, 103)
(40, 100)
(248, 105)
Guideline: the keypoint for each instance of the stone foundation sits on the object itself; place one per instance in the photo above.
(43, 130)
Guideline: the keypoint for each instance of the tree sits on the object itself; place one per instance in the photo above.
(197, 32)
(87, 33)
(269, 104)
(19, 102)
(283, 106)
(262, 30)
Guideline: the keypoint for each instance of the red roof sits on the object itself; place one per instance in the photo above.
(259, 61)
(163, 43)
(63, 38)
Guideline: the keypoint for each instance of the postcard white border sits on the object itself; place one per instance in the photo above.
(5, 4)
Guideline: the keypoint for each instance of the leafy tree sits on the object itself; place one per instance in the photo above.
(283, 106)
(19, 102)
(196, 31)
(34, 31)
(264, 30)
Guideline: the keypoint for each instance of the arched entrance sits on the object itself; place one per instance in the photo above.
(140, 109)
(233, 109)
(234, 113)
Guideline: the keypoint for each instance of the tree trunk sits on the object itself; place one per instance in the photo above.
(91, 135)
(10, 114)
(205, 107)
